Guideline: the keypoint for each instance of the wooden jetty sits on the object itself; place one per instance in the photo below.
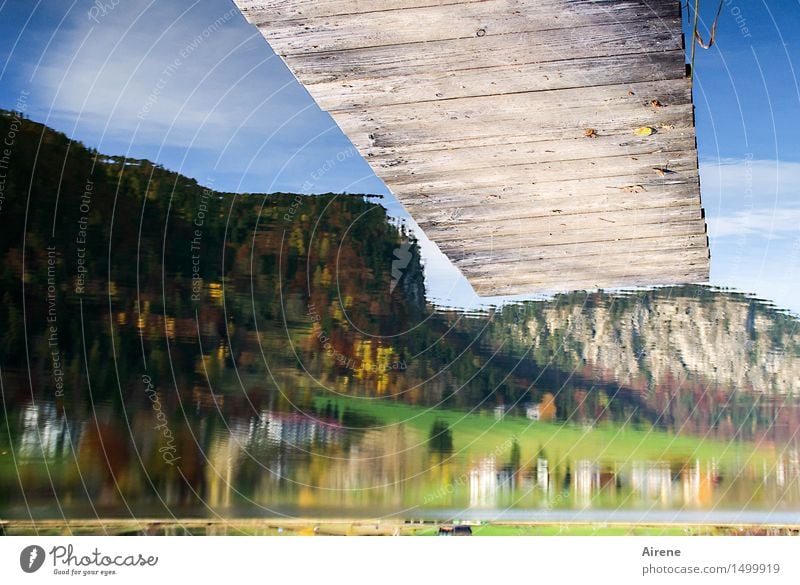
(543, 145)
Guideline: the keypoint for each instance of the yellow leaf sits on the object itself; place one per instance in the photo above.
(644, 131)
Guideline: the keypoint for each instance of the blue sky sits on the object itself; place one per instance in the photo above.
(747, 100)
(191, 85)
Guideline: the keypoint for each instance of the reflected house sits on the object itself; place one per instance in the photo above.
(294, 429)
(46, 432)
(587, 480)
(698, 485)
(487, 482)
(780, 473)
(652, 481)
(545, 410)
(483, 483)
(542, 474)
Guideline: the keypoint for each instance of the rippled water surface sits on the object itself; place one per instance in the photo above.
(173, 351)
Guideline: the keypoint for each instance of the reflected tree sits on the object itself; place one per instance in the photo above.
(440, 439)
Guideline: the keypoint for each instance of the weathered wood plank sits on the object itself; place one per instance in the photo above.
(561, 228)
(357, 93)
(604, 40)
(674, 256)
(564, 268)
(588, 277)
(390, 142)
(632, 247)
(546, 192)
(276, 10)
(440, 162)
(670, 164)
(477, 20)
(594, 237)
(492, 212)
(463, 131)
(545, 115)
(594, 268)
(282, 10)
(623, 128)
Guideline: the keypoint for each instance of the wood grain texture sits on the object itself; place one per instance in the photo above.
(453, 160)
(499, 51)
(508, 129)
(278, 10)
(373, 90)
(597, 192)
(447, 22)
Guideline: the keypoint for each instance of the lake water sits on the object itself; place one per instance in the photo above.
(169, 351)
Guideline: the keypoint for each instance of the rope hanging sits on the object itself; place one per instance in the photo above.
(697, 38)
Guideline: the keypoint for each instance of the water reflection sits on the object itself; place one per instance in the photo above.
(288, 462)
(273, 360)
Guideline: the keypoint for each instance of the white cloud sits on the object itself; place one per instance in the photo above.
(775, 223)
(748, 184)
(190, 76)
(753, 214)
(751, 198)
